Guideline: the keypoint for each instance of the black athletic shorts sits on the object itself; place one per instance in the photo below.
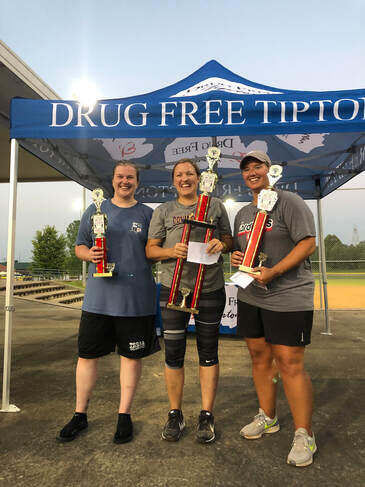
(135, 336)
(291, 328)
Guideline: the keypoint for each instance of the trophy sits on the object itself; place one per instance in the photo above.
(208, 180)
(266, 201)
(99, 223)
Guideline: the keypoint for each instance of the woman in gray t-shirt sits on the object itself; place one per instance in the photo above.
(275, 311)
(164, 245)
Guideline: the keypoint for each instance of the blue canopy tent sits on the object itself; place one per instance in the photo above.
(318, 138)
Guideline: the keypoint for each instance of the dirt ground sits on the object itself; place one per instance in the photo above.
(342, 297)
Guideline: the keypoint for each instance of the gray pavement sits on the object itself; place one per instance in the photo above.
(42, 385)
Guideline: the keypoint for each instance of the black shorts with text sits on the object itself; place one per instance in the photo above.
(135, 336)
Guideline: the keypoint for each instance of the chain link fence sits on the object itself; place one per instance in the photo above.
(352, 267)
(45, 274)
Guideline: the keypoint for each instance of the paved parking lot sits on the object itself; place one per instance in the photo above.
(42, 385)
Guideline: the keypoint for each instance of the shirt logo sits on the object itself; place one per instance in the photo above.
(245, 228)
(176, 220)
(134, 346)
(136, 227)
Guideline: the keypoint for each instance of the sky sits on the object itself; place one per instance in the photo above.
(126, 48)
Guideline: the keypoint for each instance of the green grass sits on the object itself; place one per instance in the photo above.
(344, 282)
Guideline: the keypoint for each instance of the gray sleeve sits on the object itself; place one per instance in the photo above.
(84, 236)
(224, 227)
(157, 227)
(298, 218)
(236, 245)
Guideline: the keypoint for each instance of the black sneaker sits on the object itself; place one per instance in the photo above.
(174, 427)
(124, 431)
(205, 432)
(72, 429)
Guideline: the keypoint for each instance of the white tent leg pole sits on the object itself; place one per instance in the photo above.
(83, 262)
(327, 330)
(9, 304)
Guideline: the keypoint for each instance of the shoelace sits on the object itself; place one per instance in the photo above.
(204, 422)
(300, 441)
(174, 419)
(260, 418)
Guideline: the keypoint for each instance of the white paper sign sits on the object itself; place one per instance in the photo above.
(241, 279)
(197, 252)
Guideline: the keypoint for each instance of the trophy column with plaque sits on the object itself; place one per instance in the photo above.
(99, 223)
(266, 201)
(208, 180)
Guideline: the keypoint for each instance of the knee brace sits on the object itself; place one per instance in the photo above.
(175, 346)
(207, 343)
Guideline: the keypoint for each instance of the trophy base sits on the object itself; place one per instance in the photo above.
(194, 311)
(249, 270)
(103, 274)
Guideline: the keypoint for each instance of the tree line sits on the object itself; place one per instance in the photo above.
(338, 251)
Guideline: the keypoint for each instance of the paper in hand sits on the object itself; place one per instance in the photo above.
(241, 279)
(197, 252)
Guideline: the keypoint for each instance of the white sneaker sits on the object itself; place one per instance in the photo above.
(261, 425)
(303, 449)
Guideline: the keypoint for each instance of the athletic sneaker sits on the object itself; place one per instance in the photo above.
(205, 432)
(261, 425)
(174, 427)
(303, 449)
(73, 428)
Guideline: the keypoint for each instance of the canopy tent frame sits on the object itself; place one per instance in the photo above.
(9, 295)
(297, 128)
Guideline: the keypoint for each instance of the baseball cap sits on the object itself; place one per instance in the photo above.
(256, 154)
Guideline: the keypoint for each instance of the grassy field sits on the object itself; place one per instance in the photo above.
(344, 282)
